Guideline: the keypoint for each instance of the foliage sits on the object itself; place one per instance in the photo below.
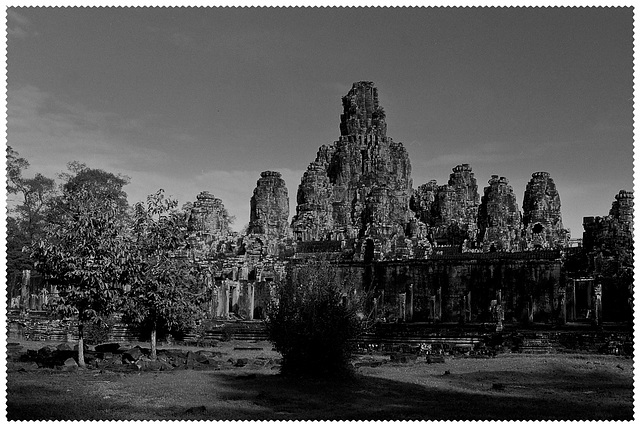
(314, 321)
(101, 184)
(83, 250)
(25, 220)
(85, 255)
(165, 290)
(15, 166)
(95, 333)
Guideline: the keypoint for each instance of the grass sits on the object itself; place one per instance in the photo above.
(544, 387)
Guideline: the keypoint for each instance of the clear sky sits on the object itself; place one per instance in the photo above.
(205, 99)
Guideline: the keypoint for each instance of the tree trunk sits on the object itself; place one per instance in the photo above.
(153, 344)
(81, 346)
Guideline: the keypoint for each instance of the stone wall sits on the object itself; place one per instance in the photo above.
(461, 289)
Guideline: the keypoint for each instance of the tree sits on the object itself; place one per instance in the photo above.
(86, 256)
(314, 321)
(26, 218)
(82, 179)
(166, 289)
(15, 166)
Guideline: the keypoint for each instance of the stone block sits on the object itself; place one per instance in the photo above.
(132, 355)
(64, 347)
(70, 365)
(241, 362)
(107, 348)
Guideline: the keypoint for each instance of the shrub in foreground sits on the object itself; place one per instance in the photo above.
(314, 322)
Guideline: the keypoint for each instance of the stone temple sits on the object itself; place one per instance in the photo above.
(359, 188)
(437, 253)
(448, 252)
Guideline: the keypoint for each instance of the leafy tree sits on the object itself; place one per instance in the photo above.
(166, 289)
(81, 179)
(15, 166)
(25, 219)
(314, 321)
(86, 256)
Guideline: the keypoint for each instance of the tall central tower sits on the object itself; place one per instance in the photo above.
(358, 188)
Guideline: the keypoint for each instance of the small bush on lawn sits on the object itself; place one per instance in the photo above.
(314, 322)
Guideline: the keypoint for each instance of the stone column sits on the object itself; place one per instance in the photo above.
(597, 306)
(24, 292)
(562, 306)
(250, 295)
(531, 306)
(468, 307)
(409, 303)
(439, 304)
(226, 295)
(572, 299)
(402, 315)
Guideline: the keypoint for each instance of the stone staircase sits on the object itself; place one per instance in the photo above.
(540, 343)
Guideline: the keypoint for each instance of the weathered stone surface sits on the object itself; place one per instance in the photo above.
(209, 227)
(64, 347)
(270, 207)
(132, 355)
(450, 212)
(360, 187)
(314, 212)
(70, 365)
(622, 208)
(108, 348)
(241, 362)
(46, 351)
(542, 219)
(499, 218)
(611, 237)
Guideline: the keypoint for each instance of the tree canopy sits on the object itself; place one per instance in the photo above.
(165, 289)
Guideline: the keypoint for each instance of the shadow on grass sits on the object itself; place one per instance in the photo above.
(371, 398)
(43, 402)
(259, 395)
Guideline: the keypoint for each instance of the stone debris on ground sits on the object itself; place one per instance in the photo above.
(126, 358)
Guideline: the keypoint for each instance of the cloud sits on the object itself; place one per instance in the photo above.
(50, 133)
(18, 25)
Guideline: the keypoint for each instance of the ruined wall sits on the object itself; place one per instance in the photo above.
(461, 288)
(622, 208)
(608, 252)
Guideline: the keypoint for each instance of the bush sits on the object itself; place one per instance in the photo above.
(314, 322)
(96, 333)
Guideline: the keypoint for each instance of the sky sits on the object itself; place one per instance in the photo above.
(192, 100)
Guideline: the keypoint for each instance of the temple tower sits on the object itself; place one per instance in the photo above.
(541, 219)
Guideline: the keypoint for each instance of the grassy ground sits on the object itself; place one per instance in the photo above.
(568, 387)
